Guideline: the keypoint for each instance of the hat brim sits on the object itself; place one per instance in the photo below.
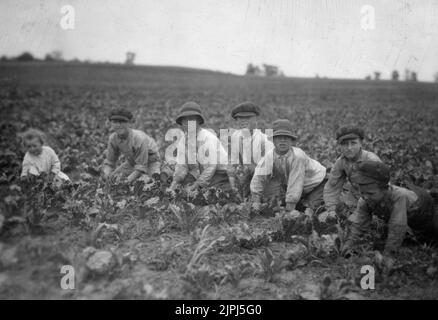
(178, 119)
(284, 133)
(120, 118)
(245, 114)
(349, 136)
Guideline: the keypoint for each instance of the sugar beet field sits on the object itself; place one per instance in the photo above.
(138, 243)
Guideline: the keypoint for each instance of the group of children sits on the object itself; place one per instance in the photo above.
(359, 180)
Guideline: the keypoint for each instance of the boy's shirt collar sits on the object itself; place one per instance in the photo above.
(286, 155)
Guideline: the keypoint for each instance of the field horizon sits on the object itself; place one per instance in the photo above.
(6, 67)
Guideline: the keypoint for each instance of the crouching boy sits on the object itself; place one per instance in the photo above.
(339, 188)
(194, 172)
(399, 207)
(288, 173)
(140, 150)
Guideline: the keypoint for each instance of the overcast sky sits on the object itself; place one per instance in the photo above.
(302, 37)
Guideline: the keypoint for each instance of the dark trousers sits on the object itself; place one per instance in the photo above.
(219, 181)
(424, 220)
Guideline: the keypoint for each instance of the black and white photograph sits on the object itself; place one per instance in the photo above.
(233, 151)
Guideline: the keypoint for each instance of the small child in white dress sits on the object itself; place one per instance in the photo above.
(40, 158)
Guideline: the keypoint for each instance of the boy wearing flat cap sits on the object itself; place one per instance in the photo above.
(399, 207)
(349, 138)
(140, 150)
(198, 172)
(288, 172)
(253, 143)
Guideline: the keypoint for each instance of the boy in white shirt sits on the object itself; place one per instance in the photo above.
(288, 173)
(199, 174)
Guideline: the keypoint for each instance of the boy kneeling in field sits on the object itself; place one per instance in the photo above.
(253, 143)
(201, 173)
(140, 150)
(40, 158)
(399, 207)
(288, 173)
(349, 138)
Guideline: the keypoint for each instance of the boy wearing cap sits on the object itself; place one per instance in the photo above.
(198, 172)
(349, 138)
(288, 172)
(253, 143)
(140, 150)
(399, 207)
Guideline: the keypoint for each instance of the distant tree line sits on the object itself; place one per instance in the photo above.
(54, 56)
(266, 70)
(57, 56)
(410, 76)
